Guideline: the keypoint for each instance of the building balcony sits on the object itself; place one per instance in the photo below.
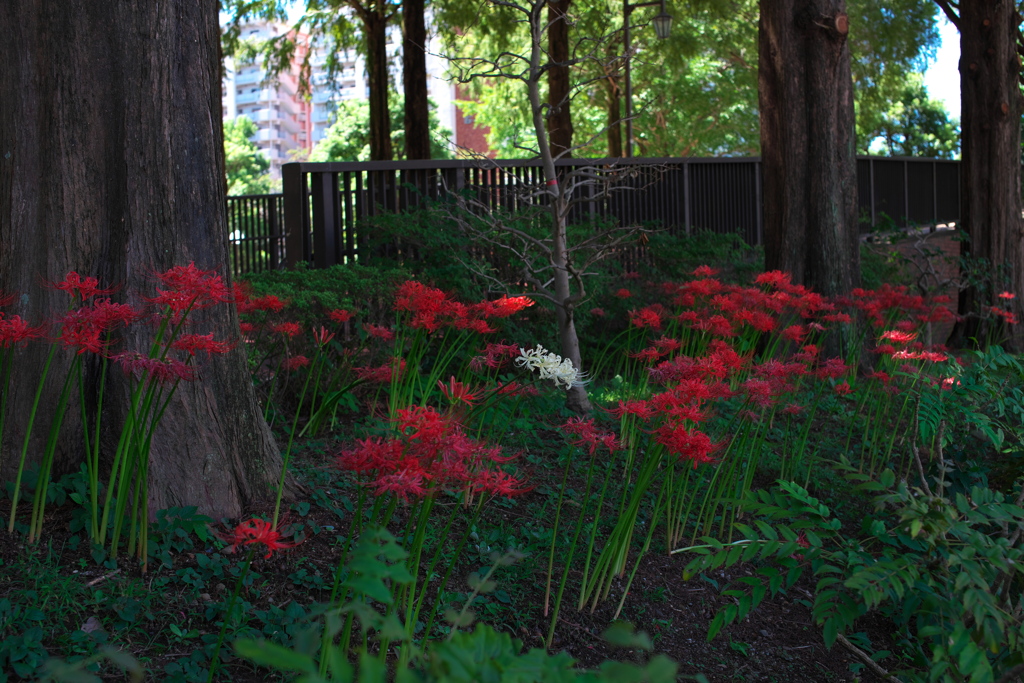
(249, 77)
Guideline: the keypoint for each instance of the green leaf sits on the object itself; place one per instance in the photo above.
(266, 653)
(622, 634)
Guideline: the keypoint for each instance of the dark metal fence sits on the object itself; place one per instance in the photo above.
(256, 233)
(324, 205)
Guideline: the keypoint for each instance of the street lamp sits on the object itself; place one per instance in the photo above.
(662, 27)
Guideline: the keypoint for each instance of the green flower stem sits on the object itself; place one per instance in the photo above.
(554, 528)
(572, 550)
(291, 440)
(28, 436)
(46, 466)
(227, 614)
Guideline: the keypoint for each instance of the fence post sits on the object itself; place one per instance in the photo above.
(324, 219)
(296, 216)
(275, 234)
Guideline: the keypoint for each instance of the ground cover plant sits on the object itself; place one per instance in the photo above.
(768, 474)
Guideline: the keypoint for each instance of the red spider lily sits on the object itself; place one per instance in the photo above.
(322, 337)
(793, 409)
(648, 355)
(794, 333)
(246, 328)
(808, 354)
(294, 363)
(498, 483)
(631, 275)
(597, 312)
(705, 271)
(586, 433)
(77, 286)
(287, 329)
(16, 330)
(646, 317)
(403, 484)
(340, 315)
(689, 444)
(379, 332)
(457, 392)
(843, 389)
(667, 345)
(496, 355)
(1009, 317)
(270, 303)
(473, 324)
(506, 306)
(1006, 295)
(833, 368)
(773, 278)
(79, 330)
(381, 374)
(162, 371)
(431, 453)
(107, 314)
(899, 336)
(189, 288)
(516, 389)
(930, 356)
(193, 343)
(623, 293)
(251, 532)
(5, 299)
(639, 408)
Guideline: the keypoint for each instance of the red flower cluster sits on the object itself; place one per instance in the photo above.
(432, 309)
(584, 433)
(494, 356)
(193, 343)
(77, 286)
(429, 454)
(189, 288)
(163, 371)
(16, 330)
(86, 328)
(253, 531)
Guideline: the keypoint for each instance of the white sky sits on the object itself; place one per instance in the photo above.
(942, 79)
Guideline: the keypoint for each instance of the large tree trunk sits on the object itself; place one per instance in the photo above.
(559, 87)
(414, 79)
(375, 25)
(111, 165)
(807, 142)
(990, 210)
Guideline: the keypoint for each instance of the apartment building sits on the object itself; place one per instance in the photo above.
(291, 124)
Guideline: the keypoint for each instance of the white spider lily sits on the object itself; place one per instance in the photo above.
(550, 366)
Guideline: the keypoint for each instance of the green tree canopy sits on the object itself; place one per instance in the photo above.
(913, 124)
(696, 92)
(348, 138)
(245, 164)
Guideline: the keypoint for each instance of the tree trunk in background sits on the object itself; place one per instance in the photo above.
(807, 143)
(414, 79)
(112, 165)
(990, 171)
(559, 89)
(375, 25)
(614, 117)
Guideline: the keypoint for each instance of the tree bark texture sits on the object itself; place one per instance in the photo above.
(559, 88)
(807, 141)
(111, 165)
(375, 25)
(991, 110)
(414, 79)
